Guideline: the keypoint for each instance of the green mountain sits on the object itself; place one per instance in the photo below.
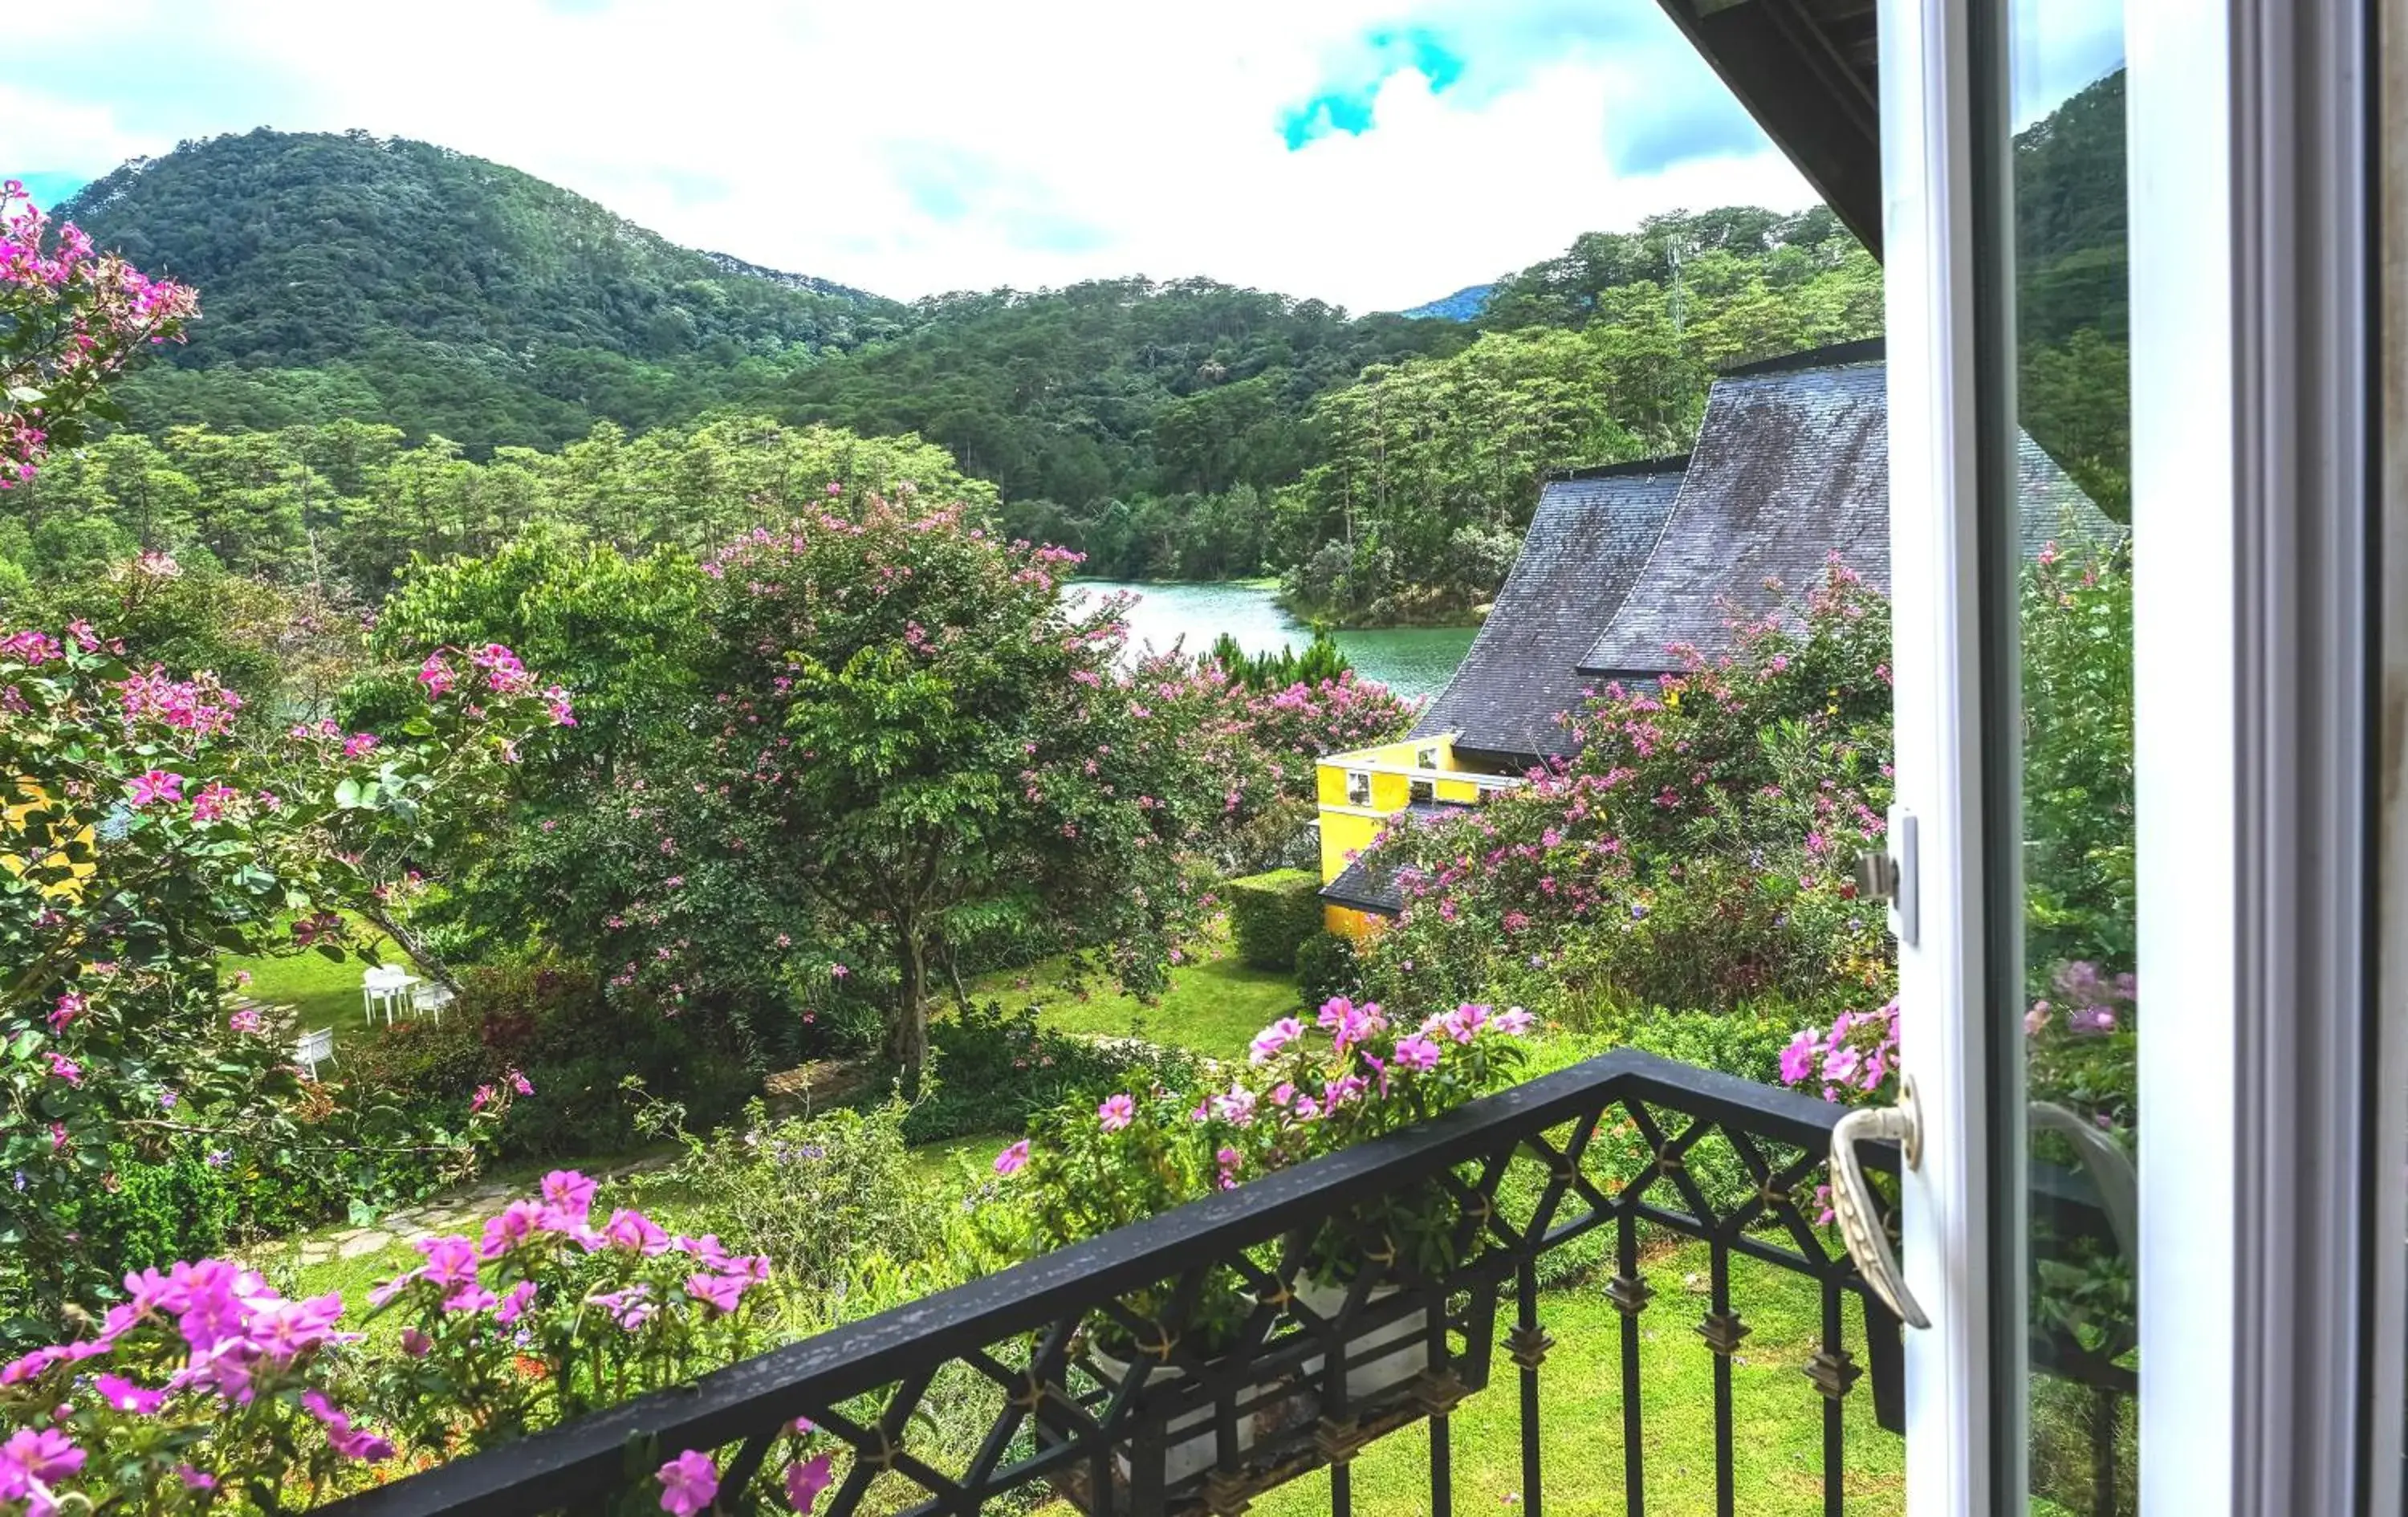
(395, 280)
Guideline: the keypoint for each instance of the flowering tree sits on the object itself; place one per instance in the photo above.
(138, 841)
(1696, 854)
(925, 744)
(69, 318)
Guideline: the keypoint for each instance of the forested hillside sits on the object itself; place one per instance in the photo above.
(348, 276)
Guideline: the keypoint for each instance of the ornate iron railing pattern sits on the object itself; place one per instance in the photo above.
(1615, 1146)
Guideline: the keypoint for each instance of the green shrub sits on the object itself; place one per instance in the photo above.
(993, 1070)
(158, 1209)
(576, 1046)
(817, 1194)
(1271, 914)
(1327, 966)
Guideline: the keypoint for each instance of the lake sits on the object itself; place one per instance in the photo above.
(1411, 661)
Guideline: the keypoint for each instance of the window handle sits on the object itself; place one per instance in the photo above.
(1852, 1198)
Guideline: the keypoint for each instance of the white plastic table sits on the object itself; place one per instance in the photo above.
(385, 986)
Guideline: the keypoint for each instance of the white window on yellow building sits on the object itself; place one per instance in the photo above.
(1358, 787)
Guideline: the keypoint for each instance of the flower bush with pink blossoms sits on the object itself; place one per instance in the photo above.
(140, 838)
(1695, 855)
(205, 1390)
(70, 318)
(1097, 1163)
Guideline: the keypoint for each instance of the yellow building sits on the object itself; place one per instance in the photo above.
(1361, 794)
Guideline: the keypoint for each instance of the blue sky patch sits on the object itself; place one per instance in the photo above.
(1346, 106)
(46, 188)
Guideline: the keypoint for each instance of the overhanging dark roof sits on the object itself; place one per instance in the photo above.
(1364, 887)
(1807, 70)
(1792, 465)
(1593, 531)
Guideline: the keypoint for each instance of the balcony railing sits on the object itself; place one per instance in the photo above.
(1612, 1157)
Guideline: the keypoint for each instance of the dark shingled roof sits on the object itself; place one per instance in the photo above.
(1368, 884)
(1591, 534)
(1792, 463)
(1366, 887)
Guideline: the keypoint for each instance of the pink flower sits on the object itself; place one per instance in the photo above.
(211, 803)
(435, 674)
(519, 1221)
(514, 1303)
(481, 1099)
(1417, 1052)
(1116, 1113)
(1011, 1160)
(449, 1261)
(244, 1020)
(569, 1197)
(1797, 1059)
(806, 1480)
(519, 1083)
(1274, 1038)
(157, 785)
(347, 1441)
(63, 1067)
(33, 1459)
(689, 1483)
(125, 1396)
(723, 1293)
(70, 1006)
(633, 1230)
(358, 743)
(415, 1343)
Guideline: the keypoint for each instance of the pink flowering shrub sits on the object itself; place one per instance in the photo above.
(1092, 1165)
(70, 318)
(1253, 751)
(1696, 854)
(139, 838)
(553, 1312)
(203, 1389)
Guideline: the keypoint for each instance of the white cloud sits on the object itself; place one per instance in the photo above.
(912, 145)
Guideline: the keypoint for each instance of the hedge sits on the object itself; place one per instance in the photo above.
(1270, 914)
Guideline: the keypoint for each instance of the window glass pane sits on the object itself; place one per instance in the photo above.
(2064, 1005)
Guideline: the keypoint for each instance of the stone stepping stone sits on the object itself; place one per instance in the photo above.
(372, 1240)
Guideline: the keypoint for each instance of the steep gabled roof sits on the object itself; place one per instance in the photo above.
(1792, 465)
(1593, 531)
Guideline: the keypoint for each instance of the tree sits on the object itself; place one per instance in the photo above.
(70, 318)
(139, 838)
(935, 750)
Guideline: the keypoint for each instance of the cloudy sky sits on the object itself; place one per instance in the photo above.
(1373, 152)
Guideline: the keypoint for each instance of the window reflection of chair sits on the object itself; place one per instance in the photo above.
(314, 1048)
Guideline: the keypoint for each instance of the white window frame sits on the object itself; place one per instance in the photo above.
(1358, 780)
(2271, 1218)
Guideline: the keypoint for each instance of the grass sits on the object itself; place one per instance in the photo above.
(325, 992)
(1777, 1415)
(1215, 1006)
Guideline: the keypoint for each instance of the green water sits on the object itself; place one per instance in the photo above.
(1412, 661)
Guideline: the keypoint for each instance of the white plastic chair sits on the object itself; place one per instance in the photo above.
(314, 1047)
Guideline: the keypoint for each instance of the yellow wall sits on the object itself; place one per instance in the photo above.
(14, 823)
(1347, 828)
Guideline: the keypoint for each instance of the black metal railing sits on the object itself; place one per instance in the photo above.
(1604, 1158)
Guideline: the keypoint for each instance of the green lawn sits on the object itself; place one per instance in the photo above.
(1777, 1414)
(326, 992)
(1215, 1005)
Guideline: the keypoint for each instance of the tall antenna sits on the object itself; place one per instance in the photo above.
(1676, 247)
